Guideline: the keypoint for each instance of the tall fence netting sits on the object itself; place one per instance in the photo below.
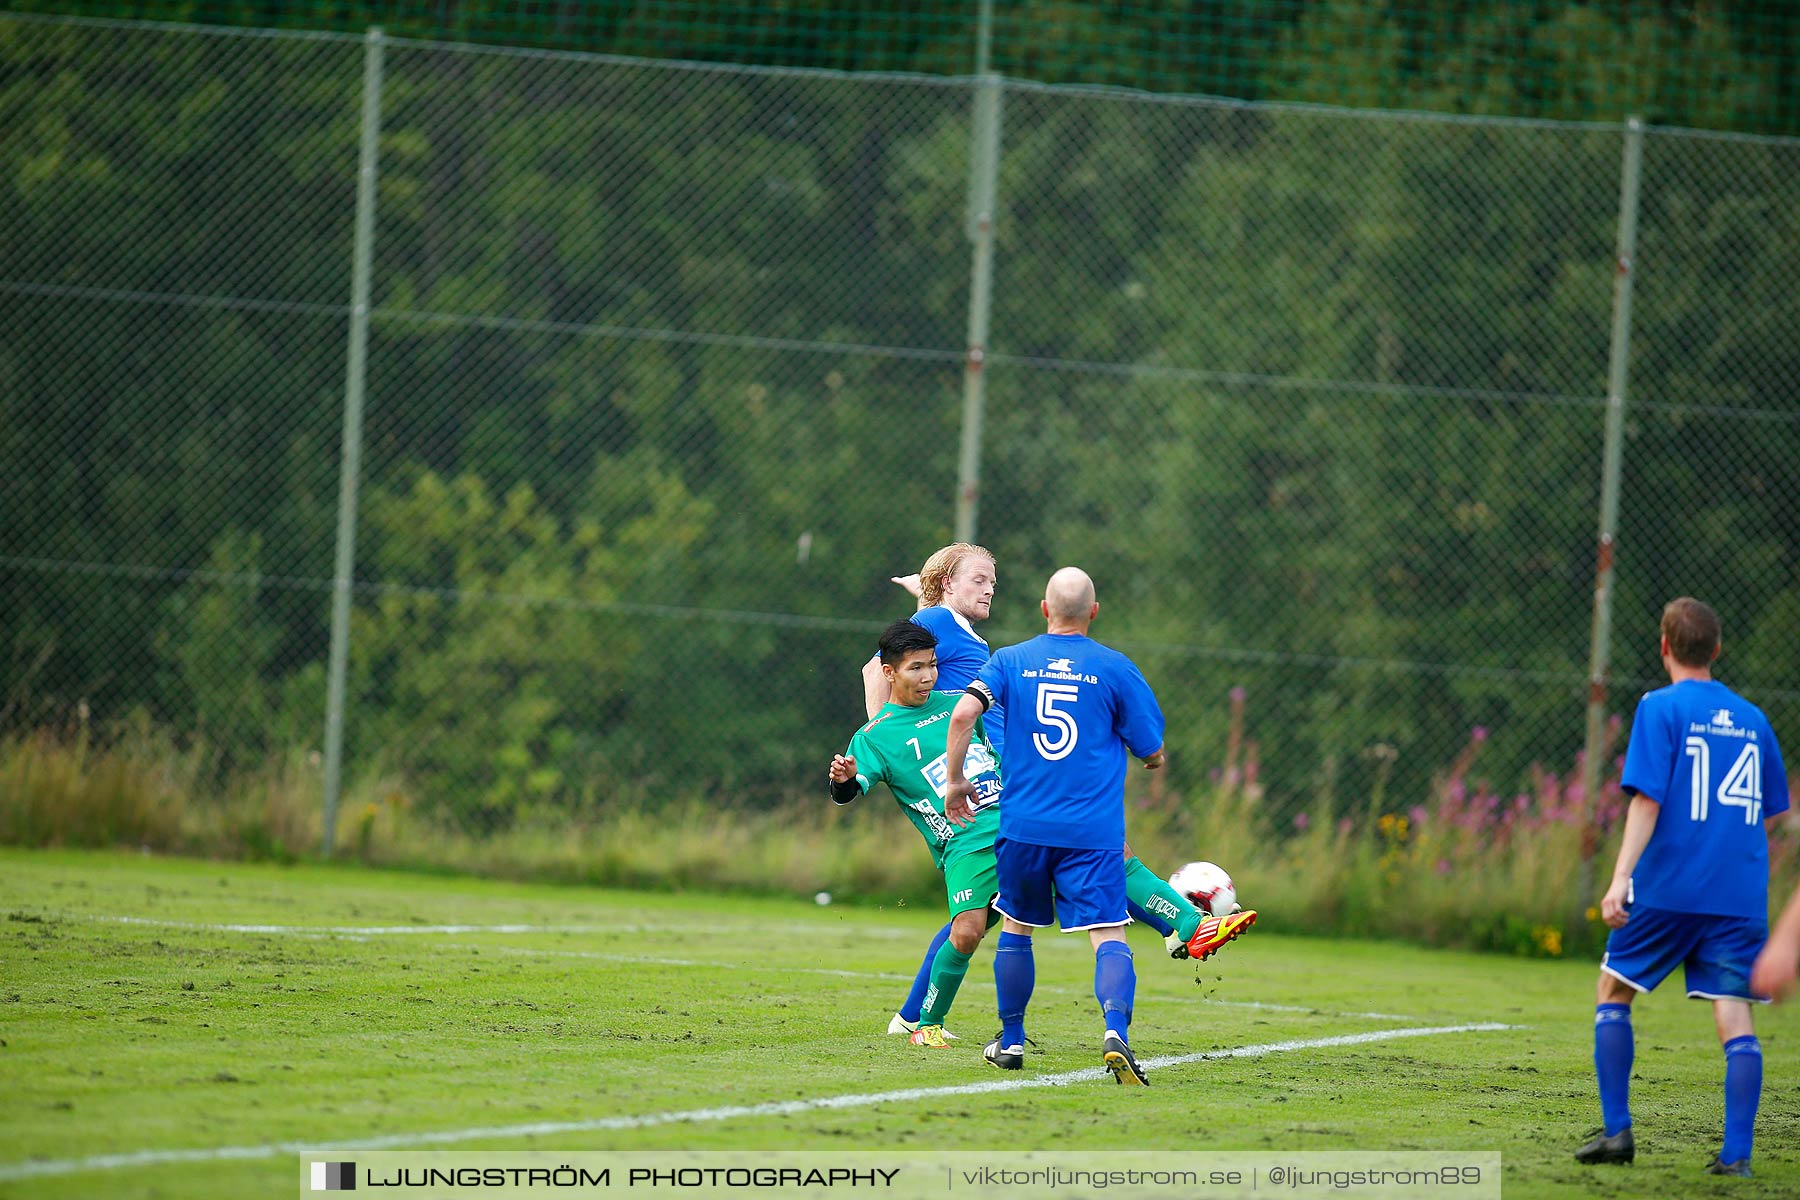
(665, 381)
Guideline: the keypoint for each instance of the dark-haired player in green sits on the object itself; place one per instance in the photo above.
(903, 747)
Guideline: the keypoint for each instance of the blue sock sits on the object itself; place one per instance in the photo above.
(915, 999)
(1015, 974)
(1743, 1088)
(1149, 918)
(1115, 984)
(1612, 1064)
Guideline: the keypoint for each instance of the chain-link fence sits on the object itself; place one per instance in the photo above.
(665, 379)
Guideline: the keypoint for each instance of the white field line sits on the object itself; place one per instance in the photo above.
(650, 960)
(653, 960)
(354, 931)
(367, 931)
(10, 1172)
(360, 932)
(363, 932)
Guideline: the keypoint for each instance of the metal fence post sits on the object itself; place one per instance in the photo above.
(984, 173)
(355, 379)
(1600, 648)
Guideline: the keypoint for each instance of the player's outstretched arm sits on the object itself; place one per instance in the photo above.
(1640, 823)
(1779, 963)
(910, 583)
(959, 790)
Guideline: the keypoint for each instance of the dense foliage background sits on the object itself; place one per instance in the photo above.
(665, 382)
(1710, 65)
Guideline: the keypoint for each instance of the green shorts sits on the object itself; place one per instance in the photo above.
(971, 879)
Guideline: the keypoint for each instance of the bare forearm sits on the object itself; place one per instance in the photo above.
(962, 728)
(1640, 823)
(875, 687)
(1787, 926)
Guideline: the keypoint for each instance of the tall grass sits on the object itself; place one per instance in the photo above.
(1465, 865)
(136, 786)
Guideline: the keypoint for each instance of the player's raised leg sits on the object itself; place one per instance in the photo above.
(1156, 903)
(1214, 932)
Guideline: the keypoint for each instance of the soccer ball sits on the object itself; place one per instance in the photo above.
(1208, 886)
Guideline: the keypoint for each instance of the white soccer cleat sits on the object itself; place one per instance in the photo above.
(901, 1025)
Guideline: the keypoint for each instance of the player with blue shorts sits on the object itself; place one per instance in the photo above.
(1691, 885)
(1073, 711)
(956, 588)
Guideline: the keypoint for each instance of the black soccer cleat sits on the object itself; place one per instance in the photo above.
(1116, 1056)
(1621, 1147)
(1720, 1167)
(1007, 1058)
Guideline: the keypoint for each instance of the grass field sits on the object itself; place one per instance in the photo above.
(360, 1008)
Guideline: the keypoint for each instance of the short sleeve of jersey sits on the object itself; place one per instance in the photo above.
(870, 769)
(1650, 752)
(961, 652)
(994, 676)
(1140, 718)
(1774, 781)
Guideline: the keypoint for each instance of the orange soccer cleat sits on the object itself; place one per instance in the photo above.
(1216, 931)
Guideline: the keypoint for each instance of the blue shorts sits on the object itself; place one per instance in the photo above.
(1038, 884)
(1717, 952)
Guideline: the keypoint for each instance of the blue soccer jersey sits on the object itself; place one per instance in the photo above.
(1072, 709)
(961, 653)
(1709, 758)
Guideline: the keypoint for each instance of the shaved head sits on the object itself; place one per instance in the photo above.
(1069, 596)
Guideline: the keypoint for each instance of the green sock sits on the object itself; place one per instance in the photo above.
(1152, 893)
(947, 971)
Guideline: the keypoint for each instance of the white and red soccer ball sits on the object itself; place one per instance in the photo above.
(1207, 886)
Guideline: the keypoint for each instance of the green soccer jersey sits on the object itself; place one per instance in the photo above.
(905, 748)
